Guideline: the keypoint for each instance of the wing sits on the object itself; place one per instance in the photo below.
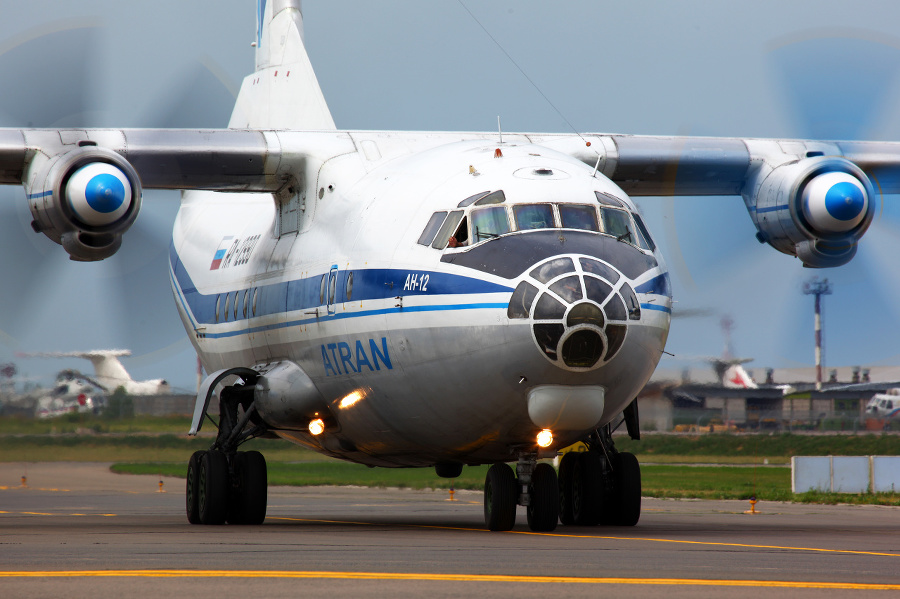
(810, 199)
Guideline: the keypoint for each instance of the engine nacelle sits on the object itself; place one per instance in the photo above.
(84, 200)
(816, 209)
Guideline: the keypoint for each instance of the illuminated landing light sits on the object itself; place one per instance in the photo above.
(350, 400)
(316, 427)
(545, 438)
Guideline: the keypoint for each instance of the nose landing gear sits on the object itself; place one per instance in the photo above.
(597, 486)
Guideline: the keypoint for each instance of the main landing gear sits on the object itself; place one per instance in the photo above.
(223, 484)
(598, 486)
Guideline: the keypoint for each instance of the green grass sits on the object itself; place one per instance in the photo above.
(90, 424)
(757, 446)
(703, 482)
(131, 448)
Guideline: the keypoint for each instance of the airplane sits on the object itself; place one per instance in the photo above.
(314, 273)
(109, 373)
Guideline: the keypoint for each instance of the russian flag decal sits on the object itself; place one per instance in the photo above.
(220, 252)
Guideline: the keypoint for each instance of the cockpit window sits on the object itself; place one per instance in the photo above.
(609, 200)
(471, 199)
(645, 241)
(489, 222)
(447, 229)
(618, 224)
(533, 216)
(432, 227)
(497, 197)
(578, 216)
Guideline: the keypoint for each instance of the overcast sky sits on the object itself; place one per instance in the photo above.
(825, 69)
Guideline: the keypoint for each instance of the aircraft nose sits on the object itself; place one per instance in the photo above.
(579, 310)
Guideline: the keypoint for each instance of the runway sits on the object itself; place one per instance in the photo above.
(77, 530)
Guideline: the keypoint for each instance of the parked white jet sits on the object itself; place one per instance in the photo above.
(409, 299)
(109, 373)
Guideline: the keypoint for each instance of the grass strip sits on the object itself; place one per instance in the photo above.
(663, 481)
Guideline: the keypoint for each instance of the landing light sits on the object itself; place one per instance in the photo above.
(316, 427)
(545, 438)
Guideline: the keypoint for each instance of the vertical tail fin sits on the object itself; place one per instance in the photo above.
(283, 93)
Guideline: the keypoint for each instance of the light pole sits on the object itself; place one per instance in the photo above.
(818, 288)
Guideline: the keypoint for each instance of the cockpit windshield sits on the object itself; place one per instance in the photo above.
(487, 215)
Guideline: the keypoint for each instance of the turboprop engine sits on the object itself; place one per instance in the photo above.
(84, 200)
(816, 209)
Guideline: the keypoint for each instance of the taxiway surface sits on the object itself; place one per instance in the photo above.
(77, 530)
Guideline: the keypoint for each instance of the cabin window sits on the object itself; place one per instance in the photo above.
(349, 285)
(244, 303)
(255, 294)
(236, 302)
(575, 216)
(431, 229)
(218, 302)
(533, 216)
(227, 306)
(322, 289)
(489, 222)
(447, 229)
(331, 287)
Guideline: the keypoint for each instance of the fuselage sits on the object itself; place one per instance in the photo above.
(428, 294)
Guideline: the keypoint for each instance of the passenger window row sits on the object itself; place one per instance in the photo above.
(236, 303)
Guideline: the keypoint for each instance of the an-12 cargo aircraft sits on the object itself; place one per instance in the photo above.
(425, 299)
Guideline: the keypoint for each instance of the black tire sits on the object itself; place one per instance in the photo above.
(543, 507)
(192, 488)
(249, 489)
(566, 467)
(500, 498)
(587, 489)
(627, 496)
(213, 496)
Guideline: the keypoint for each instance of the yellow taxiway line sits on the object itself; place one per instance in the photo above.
(609, 538)
(408, 576)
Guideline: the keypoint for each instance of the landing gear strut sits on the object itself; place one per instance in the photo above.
(223, 484)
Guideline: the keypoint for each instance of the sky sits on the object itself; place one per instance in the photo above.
(818, 69)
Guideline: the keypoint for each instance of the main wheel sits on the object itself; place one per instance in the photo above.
(192, 488)
(543, 508)
(500, 495)
(566, 468)
(249, 489)
(213, 496)
(587, 489)
(627, 495)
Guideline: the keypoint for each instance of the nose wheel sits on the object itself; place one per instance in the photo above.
(535, 487)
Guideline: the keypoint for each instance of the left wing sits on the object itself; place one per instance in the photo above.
(810, 199)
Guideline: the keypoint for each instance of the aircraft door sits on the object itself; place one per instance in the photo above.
(331, 288)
